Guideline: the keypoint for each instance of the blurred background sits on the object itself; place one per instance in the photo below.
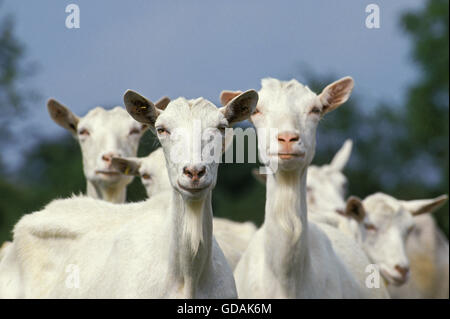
(397, 116)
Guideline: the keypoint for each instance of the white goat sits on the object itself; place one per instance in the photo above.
(326, 186)
(385, 228)
(233, 237)
(428, 252)
(289, 256)
(382, 225)
(141, 249)
(102, 134)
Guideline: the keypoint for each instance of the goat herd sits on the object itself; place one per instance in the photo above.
(313, 243)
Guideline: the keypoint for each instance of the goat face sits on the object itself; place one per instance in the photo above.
(191, 133)
(385, 228)
(287, 116)
(102, 134)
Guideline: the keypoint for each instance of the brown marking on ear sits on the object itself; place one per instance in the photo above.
(227, 96)
(162, 103)
(241, 107)
(422, 206)
(140, 108)
(355, 209)
(62, 115)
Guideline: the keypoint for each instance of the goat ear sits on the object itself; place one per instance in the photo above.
(63, 116)
(342, 156)
(241, 107)
(336, 94)
(227, 96)
(422, 206)
(262, 178)
(141, 108)
(127, 166)
(355, 209)
(162, 103)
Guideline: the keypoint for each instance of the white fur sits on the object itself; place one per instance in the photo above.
(393, 220)
(233, 237)
(151, 170)
(384, 231)
(326, 193)
(3, 248)
(291, 257)
(101, 134)
(428, 252)
(139, 250)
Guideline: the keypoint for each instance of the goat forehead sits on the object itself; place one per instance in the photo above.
(181, 113)
(381, 202)
(386, 210)
(114, 120)
(285, 96)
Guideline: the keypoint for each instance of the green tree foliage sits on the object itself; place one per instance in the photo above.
(14, 198)
(427, 117)
(11, 52)
(401, 150)
(13, 68)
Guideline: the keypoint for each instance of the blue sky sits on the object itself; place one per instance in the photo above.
(198, 48)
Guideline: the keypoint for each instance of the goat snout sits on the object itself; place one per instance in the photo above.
(194, 173)
(287, 141)
(403, 271)
(288, 138)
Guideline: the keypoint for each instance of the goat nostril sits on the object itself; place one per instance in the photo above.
(106, 158)
(201, 172)
(402, 270)
(194, 174)
(288, 138)
(187, 172)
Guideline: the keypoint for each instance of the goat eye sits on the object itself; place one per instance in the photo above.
(315, 110)
(84, 132)
(134, 131)
(162, 131)
(145, 176)
(371, 227)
